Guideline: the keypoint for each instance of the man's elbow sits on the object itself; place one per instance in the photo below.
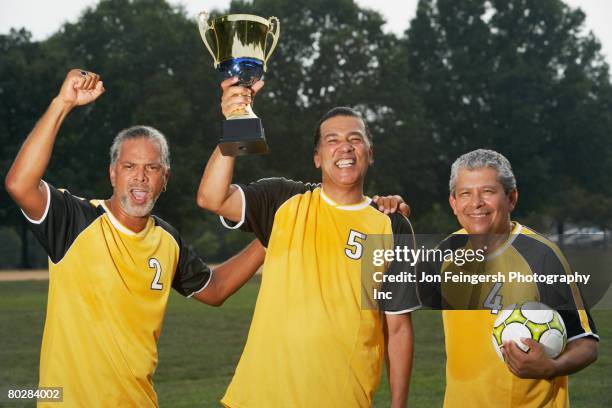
(211, 299)
(594, 351)
(203, 200)
(217, 302)
(10, 184)
(14, 187)
(584, 350)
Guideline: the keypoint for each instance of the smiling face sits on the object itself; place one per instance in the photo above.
(344, 153)
(480, 203)
(138, 176)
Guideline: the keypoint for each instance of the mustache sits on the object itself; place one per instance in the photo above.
(143, 187)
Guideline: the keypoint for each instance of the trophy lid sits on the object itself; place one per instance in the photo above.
(243, 17)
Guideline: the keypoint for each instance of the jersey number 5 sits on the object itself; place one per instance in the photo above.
(355, 244)
(155, 285)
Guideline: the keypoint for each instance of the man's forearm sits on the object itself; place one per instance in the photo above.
(23, 181)
(579, 354)
(33, 158)
(233, 274)
(215, 183)
(399, 357)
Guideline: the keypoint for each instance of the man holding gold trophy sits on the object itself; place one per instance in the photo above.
(237, 44)
(311, 343)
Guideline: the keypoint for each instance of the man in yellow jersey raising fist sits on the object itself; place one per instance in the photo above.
(111, 263)
(311, 342)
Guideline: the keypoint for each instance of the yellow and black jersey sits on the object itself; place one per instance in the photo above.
(475, 376)
(311, 341)
(108, 290)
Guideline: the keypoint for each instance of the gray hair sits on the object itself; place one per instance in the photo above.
(480, 158)
(141, 131)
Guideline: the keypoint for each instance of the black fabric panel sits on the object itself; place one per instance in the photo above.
(263, 198)
(192, 273)
(543, 260)
(430, 293)
(66, 218)
(403, 294)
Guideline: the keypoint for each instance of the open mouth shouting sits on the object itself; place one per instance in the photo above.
(139, 195)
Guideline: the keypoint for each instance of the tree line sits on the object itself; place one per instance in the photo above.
(522, 77)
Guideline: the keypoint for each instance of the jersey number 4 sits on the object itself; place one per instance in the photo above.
(493, 302)
(354, 244)
(154, 264)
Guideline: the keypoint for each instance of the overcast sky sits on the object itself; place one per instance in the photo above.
(43, 17)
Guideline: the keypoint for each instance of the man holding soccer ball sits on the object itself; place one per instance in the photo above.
(483, 194)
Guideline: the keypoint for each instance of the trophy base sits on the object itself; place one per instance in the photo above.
(243, 136)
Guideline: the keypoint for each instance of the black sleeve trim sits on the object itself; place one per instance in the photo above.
(263, 198)
(405, 297)
(192, 275)
(65, 218)
(543, 260)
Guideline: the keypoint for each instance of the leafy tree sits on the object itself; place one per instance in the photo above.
(334, 53)
(25, 82)
(518, 76)
(523, 78)
(157, 72)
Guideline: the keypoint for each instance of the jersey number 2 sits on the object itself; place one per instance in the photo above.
(355, 244)
(155, 285)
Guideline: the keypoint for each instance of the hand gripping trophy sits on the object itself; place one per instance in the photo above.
(237, 43)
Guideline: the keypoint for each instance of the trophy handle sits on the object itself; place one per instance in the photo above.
(204, 26)
(274, 32)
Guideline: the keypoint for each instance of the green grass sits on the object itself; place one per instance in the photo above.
(200, 346)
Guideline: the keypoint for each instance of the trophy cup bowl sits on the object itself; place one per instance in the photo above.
(237, 44)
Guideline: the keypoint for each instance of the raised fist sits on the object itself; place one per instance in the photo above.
(81, 87)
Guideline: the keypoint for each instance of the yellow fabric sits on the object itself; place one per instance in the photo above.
(310, 344)
(103, 317)
(475, 376)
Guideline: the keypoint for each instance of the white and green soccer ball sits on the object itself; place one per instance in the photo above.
(530, 320)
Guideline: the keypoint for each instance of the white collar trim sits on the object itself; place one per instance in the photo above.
(120, 226)
(516, 231)
(352, 207)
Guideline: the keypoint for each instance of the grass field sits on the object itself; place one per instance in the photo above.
(200, 346)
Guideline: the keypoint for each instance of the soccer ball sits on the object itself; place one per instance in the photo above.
(530, 320)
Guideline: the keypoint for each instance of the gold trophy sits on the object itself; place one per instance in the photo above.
(237, 43)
